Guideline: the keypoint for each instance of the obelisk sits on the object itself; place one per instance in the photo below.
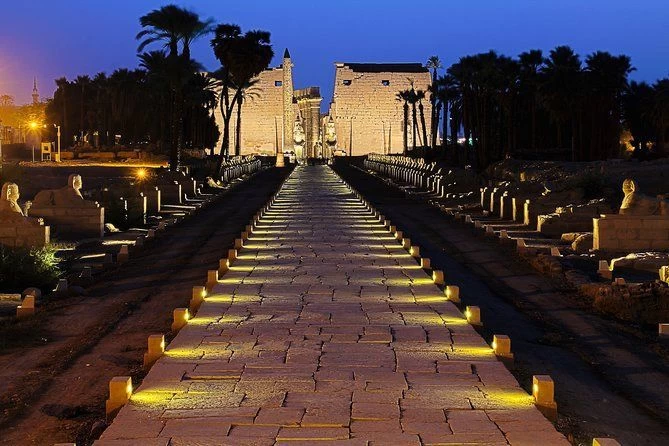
(288, 112)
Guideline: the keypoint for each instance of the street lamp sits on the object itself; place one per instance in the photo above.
(33, 126)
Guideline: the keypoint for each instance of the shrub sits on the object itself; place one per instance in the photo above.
(21, 268)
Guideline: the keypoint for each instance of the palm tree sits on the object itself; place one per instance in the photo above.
(404, 96)
(413, 100)
(248, 92)
(434, 64)
(606, 78)
(171, 25)
(242, 58)
(420, 96)
(637, 102)
(82, 82)
(531, 63)
(561, 77)
(659, 112)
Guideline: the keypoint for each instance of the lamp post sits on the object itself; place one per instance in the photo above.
(58, 132)
(33, 126)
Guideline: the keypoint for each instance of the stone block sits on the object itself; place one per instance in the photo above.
(73, 223)
(627, 232)
(171, 194)
(664, 274)
(663, 330)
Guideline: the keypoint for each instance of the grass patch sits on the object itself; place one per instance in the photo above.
(21, 268)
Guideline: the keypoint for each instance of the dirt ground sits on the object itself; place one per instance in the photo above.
(612, 379)
(54, 390)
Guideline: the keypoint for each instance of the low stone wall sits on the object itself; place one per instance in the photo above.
(70, 223)
(630, 233)
(23, 233)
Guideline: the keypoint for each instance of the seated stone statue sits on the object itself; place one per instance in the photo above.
(69, 196)
(10, 211)
(9, 200)
(636, 203)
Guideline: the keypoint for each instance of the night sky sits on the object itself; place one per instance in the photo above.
(49, 39)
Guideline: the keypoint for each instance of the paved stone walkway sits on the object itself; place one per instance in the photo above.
(326, 331)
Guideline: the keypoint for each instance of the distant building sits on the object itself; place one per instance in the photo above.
(35, 94)
(271, 112)
(364, 117)
(367, 115)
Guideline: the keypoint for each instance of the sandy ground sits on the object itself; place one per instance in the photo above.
(55, 392)
(610, 379)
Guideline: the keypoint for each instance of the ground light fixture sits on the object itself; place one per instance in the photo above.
(199, 293)
(501, 345)
(452, 293)
(180, 318)
(543, 392)
(120, 390)
(438, 277)
(156, 349)
(212, 278)
(425, 263)
(473, 315)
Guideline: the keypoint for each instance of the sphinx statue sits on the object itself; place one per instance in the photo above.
(69, 196)
(18, 229)
(635, 203)
(9, 206)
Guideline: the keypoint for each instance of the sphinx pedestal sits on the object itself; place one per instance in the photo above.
(71, 223)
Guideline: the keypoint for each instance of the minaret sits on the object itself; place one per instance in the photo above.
(35, 92)
(288, 112)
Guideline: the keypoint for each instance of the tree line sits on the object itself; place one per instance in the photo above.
(537, 103)
(167, 102)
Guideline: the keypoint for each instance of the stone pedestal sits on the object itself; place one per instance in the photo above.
(153, 198)
(171, 194)
(23, 232)
(73, 222)
(631, 233)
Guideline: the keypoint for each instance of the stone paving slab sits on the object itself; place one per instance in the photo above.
(325, 331)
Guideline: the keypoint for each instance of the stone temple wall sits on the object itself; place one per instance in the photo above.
(367, 115)
(261, 113)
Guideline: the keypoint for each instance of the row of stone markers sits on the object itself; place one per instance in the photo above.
(548, 231)
(421, 175)
(190, 198)
(74, 218)
(357, 345)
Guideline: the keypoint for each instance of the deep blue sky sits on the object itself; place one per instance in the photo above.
(53, 38)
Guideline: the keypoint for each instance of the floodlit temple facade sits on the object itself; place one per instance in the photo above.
(364, 116)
